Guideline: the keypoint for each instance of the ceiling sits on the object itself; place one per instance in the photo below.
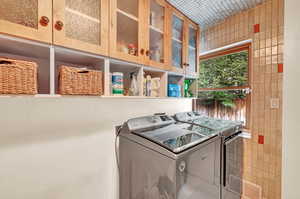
(210, 12)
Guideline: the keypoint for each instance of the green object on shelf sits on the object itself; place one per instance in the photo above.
(187, 85)
(118, 91)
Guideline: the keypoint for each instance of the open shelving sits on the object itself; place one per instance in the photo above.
(15, 48)
(177, 79)
(128, 70)
(73, 58)
(50, 57)
(155, 74)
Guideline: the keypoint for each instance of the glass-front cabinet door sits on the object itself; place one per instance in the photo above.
(30, 19)
(126, 29)
(156, 28)
(177, 42)
(192, 50)
(81, 24)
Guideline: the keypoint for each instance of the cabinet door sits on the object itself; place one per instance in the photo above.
(177, 41)
(81, 24)
(29, 19)
(156, 29)
(192, 62)
(126, 29)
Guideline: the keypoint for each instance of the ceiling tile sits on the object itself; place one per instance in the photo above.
(209, 12)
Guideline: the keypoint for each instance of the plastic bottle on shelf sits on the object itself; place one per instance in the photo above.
(133, 91)
(155, 87)
(148, 85)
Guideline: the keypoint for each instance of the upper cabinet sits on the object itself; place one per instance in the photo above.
(184, 43)
(152, 33)
(126, 29)
(81, 24)
(192, 49)
(148, 32)
(177, 41)
(156, 31)
(30, 19)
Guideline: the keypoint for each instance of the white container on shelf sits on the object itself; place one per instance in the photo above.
(117, 83)
(155, 87)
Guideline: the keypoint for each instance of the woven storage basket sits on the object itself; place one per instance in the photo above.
(18, 77)
(76, 81)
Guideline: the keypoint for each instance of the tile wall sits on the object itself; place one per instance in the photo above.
(264, 25)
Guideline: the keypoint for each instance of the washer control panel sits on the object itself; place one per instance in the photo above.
(149, 121)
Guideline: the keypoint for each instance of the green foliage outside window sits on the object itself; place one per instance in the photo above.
(221, 72)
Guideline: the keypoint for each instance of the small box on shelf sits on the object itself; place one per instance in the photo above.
(175, 85)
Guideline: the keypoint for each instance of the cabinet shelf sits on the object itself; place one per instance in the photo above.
(127, 15)
(177, 40)
(23, 47)
(82, 15)
(192, 47)
(156, 29)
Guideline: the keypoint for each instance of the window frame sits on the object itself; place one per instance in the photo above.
(228, 51)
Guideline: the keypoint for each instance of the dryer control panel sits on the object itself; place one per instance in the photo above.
(147, 122)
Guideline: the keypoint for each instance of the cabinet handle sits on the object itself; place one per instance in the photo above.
(59, 25)
(142, 51)
(44, 21)
(148, 53)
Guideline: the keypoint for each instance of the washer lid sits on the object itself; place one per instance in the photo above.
(173, 138)
(217, 124)
(205, 131)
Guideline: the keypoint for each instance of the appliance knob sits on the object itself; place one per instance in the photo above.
(182, 166)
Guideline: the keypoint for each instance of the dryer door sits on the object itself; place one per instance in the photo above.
(233, 168)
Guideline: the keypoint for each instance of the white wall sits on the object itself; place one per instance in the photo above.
(291, 133)
(63, 148)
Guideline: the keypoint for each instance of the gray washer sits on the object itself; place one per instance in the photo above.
(152, 168)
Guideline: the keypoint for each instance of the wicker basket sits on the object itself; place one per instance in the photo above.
(18, 77)
(76, 81)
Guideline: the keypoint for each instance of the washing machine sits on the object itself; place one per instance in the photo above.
(159, 159)
(231, 149)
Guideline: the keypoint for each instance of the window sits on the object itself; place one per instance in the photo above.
(224, 84)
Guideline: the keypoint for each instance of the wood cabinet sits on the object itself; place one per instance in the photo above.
(177, 40)
(126, 30)
(147, 32)
(191, 62)
(183, 43)
(30, 19)
(81, 24)
(152, 33)
(156, 31)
